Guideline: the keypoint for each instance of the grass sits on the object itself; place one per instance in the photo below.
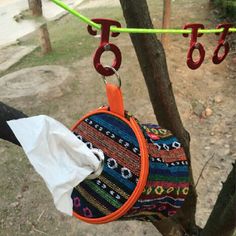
(69, 38)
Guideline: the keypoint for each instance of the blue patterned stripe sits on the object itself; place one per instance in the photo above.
(126, 133)
(175, 171)
(127, 189)
(163, 166)
(167, 141)
(116, 122)
(118, 177)
(168, 173)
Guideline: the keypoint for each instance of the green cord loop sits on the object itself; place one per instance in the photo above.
(136, 30)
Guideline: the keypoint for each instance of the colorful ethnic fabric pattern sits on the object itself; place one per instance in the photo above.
(167, 184)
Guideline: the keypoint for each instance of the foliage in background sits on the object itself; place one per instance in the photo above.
(227, 8)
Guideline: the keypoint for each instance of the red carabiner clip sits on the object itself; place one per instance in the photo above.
(194, 45)
(216, 59)
(105, 45)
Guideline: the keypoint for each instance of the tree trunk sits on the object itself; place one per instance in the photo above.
(166, 21)
(152, 61)
(35, 7)
(222, 220)
(44, 39)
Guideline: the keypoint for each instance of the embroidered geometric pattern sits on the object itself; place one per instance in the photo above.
(167, 184)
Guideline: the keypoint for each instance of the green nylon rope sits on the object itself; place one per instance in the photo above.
(135, 30)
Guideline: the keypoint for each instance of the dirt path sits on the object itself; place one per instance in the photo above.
(26, 206)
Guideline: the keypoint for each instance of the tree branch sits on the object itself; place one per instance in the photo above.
(222, 220)
(8, 113)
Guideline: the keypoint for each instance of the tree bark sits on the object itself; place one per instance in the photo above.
(35, 7)
(222, 220)
(152, 60)
(166, 21)
(8, 113)
(44, 39)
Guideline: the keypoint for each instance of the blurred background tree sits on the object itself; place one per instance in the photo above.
(35, 6)
(226, 7)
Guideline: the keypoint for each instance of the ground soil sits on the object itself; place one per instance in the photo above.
(206, 101)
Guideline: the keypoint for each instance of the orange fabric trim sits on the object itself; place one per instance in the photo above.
(143, 172)
(115, 99)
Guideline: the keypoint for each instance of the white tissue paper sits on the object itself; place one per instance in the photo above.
(57, 155)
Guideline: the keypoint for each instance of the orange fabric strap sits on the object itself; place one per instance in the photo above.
(115, 99)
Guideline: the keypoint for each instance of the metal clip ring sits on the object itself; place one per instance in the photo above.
(115, 72)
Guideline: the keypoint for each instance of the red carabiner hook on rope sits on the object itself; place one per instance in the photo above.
(105, 45)
(194, 45)
(216, 59)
